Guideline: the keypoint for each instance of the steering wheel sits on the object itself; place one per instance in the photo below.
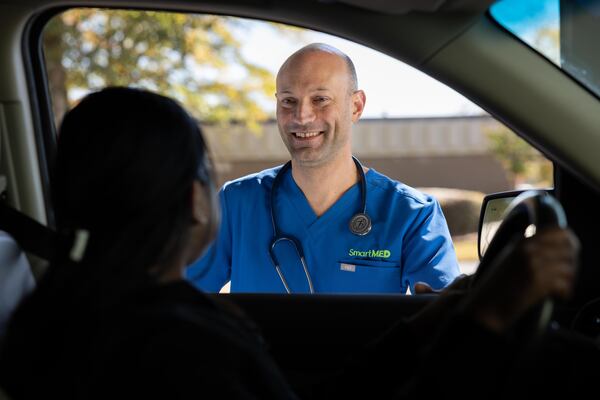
(536, 209)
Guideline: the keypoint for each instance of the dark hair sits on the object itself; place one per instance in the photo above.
(125, 167)
(125, 164)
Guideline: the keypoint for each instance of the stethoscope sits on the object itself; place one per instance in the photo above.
(360, 224)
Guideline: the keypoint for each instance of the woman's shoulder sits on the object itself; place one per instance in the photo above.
(205, 340)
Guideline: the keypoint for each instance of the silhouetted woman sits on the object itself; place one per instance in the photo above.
(114, 318)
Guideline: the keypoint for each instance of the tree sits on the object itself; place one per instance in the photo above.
(520, 160)
(188, 57)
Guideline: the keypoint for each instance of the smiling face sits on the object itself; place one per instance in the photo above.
(316, 107)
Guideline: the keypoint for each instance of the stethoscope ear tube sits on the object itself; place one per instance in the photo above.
(300, 253)
(275, 262)
(360, 224)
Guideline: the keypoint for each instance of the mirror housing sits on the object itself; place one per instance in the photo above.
(493, 208)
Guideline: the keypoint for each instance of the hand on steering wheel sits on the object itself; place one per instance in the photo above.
(519, 275)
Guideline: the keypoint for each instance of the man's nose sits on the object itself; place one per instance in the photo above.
(305, 112)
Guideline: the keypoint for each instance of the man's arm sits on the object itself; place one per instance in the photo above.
(213, 270)
(428, 253)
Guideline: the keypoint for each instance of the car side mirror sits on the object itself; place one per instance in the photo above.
(492, 214)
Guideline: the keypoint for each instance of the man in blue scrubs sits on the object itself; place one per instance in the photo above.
(315, 200)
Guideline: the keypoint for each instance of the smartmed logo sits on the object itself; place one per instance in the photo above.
(370, 253)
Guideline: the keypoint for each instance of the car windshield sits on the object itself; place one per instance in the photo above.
(561, 30)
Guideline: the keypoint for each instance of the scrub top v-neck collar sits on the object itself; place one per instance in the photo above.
(350, 200)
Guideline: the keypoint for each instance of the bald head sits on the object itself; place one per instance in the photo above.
(324, 48)
(317, 104)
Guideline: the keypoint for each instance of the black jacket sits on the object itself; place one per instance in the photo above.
(168, 342)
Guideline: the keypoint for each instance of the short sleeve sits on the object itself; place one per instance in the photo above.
(428, 253)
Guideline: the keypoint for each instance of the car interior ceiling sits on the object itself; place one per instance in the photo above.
(443, 42)
(406, 6)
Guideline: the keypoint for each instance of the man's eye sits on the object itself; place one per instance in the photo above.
(321, 100)
(288, 102)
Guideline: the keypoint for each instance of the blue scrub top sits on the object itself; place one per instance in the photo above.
(409, 240)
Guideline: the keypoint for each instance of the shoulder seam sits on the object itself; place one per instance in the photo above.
(401, 191)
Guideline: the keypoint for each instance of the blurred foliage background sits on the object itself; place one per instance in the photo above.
(193, 58)
(524, 165)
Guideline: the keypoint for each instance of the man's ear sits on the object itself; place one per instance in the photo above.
(359, 100)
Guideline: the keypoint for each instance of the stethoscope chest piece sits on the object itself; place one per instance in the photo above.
(360, 224)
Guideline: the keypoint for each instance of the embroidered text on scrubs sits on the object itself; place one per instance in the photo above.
(370, 253)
